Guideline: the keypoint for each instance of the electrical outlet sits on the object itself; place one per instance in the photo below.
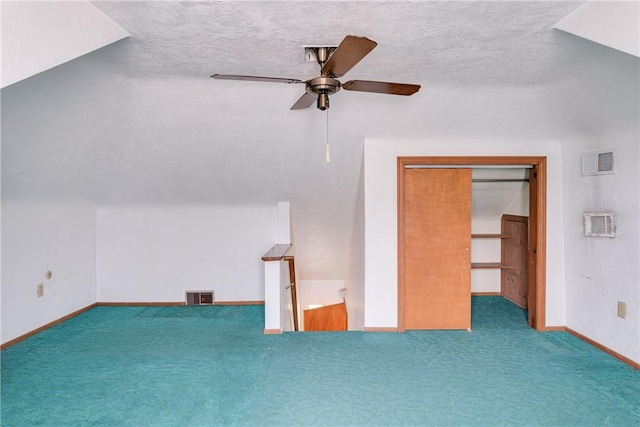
(622, 309)
(40, 290)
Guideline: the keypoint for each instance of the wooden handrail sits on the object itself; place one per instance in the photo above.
(279, 253)
(294, 291)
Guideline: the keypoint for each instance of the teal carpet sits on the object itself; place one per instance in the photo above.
(212, 366)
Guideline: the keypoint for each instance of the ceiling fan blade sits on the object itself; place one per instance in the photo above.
(381, 87)
(255, 78)
(305, 101)
(350, 51)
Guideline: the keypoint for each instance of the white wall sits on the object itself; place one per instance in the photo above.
(38, 236)
(602, 271)
(381, 216)
(318, 292)
(156, 253)
(355, 279)
(50, 124)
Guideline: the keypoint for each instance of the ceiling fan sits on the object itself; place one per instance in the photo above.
(334, 63)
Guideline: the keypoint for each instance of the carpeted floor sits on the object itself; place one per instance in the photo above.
(212, 366)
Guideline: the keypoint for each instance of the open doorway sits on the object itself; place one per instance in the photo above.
(411, 271)
(500, 233)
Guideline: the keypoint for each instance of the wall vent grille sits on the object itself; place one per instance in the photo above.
(599, 224)
(199, 298)
(601, 162)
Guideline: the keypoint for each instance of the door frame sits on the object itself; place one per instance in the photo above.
(537, 254)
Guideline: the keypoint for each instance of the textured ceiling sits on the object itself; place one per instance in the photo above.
(141, 122)
(450, 42)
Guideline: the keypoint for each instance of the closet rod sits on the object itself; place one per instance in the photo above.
(500, 180)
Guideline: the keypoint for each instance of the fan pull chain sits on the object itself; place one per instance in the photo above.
(327, 152)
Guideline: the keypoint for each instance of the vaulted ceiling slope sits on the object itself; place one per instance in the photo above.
(38, 36)
(613, 24)
(141, 122)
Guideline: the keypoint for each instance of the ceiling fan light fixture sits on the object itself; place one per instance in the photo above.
(323, 101)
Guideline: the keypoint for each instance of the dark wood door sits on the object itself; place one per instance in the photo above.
(437, 242)
(515, 250)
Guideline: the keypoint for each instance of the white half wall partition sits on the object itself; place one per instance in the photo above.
(381, 222)
(278, 310)
(272, 298)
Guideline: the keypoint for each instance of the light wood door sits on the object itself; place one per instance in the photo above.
(515, 251)
(437, 242)
(327, 318)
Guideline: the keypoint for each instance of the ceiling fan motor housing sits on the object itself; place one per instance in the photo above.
(323, 87)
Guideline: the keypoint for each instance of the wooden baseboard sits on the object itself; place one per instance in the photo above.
(22, 337)
(604, 348)
(239, 303)
(143, 304)
(485, 294)
(116, 304)
(47, 326)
